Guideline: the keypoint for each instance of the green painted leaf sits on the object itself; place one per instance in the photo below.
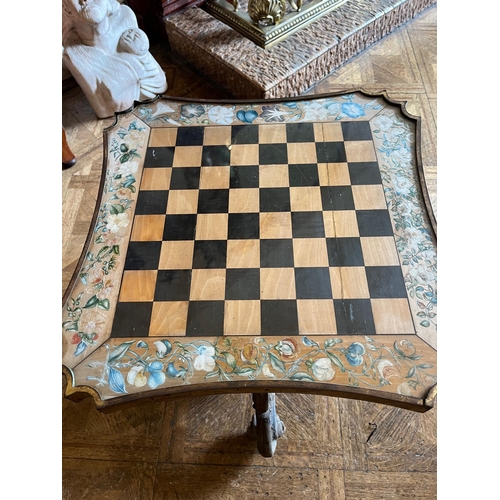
(276, 363)
(116, 249)
(398, 350)
(103, 304)
(104, 251)
(92, 302)
(423, 366)
(120, 351)
(116, 209)
(336, 361)
(212, 374)
(301, 376)
(411, 372)
(244, 371)
(425, 323)
(414, 357)
(71, 326)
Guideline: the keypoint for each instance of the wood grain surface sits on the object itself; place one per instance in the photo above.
(198, 448)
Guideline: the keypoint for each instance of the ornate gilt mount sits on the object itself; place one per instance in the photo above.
(267, 22)
(266, 12)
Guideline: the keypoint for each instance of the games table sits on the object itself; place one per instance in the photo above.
(258, 247)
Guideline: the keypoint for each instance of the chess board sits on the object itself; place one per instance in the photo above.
(240, 245)
(270, 229)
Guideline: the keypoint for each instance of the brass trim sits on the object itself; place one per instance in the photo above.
(267, 36)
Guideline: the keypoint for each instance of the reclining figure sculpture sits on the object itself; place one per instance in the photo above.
(108, 55)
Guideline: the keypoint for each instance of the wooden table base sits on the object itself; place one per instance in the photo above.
(266, 425)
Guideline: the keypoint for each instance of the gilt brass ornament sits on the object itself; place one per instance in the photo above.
(266, 12)
(268, 22)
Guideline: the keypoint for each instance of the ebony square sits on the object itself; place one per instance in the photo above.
(242, 284)
(244, 134)
(300, 132)
(244, 177)
(307, 225)
(179, 227)
(354, 317)
(274, 199)
(132, 319)
(337, 198)
(205, 318)
(313, 283)
(210, 254)
(143, 255)
(374, 223)
(385, 282)
(303, 175)
(173, 285)
(151, 202)
(159, 157)
(344, 252)
(211, 201)
(190, 136)
(279, 317)
(185, 178)
(217, 156)
(276, 253)
(356, 131)
(270, 154)
(330, 152)
(243, 226)
(364, 173)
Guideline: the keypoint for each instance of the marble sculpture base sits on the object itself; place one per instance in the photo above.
(294, 65)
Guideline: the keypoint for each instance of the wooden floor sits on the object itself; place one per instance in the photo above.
(198, 448)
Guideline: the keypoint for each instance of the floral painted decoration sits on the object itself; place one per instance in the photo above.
(84, 313)
(367, 363)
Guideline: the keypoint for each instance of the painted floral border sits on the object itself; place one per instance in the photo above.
(86, 317)
(132, 365)
(345, 107)
(395, 143)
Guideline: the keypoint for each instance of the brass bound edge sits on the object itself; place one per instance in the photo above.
(267, 36)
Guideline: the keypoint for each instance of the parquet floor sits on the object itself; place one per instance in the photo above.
(197, 449)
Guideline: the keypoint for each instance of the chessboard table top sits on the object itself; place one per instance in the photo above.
(257, 246)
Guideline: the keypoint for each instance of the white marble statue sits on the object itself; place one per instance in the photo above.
(108, 55)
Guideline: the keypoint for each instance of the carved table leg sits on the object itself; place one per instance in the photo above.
(68, 158)
(266, 426)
